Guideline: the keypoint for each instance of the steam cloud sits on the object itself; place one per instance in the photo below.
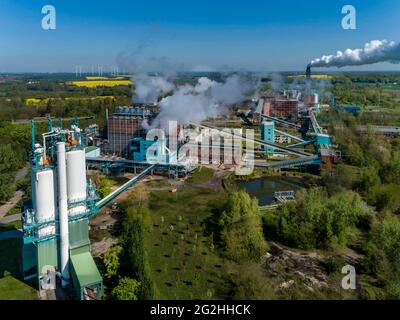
(206, 98)
(373, 52)
(149, 89)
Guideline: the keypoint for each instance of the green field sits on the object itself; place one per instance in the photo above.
(180, 247)
(10, 287)
(14, 289)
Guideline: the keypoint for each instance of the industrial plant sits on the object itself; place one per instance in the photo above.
(157, 152)
(56, 246)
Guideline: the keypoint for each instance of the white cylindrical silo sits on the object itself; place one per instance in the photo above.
(63, 212)
(76, 180)
(44, 200)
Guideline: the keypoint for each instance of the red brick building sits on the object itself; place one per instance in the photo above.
(281, 107)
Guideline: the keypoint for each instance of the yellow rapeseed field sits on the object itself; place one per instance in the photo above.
(37, 101)
(100, 83)
(106, 78)
(32, 101)
(313, 76)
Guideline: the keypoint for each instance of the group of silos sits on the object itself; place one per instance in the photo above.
(54, 188)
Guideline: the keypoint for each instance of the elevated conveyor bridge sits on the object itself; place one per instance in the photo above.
(125, 186)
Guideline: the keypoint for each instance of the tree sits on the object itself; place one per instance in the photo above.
(369, 184)
(127, 289)
(391, 172)
(111, 261)
(383, 255)
(8, 186)
(134, 255)
(388, 198)
(241, 230)
(343, 177)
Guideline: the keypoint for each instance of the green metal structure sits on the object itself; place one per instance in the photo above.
(41, 252)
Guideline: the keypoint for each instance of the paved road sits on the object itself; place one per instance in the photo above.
(11, 203)
(9, 219)
(21, 174)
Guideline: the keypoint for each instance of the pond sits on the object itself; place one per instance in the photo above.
(263, 189)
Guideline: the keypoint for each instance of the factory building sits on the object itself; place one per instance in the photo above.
(328, 155)
(285, 105)
(268, 134)
(143, 150)
(126, 123)
(56, 245)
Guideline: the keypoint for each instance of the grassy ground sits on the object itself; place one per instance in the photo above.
(201, 175)
(10, 260)
(158, 184)
(184, 262)
(14, 289)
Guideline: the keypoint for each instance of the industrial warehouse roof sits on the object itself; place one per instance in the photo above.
(90, 148)
(85, 269)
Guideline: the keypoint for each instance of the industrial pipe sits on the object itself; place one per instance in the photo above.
(63, 212)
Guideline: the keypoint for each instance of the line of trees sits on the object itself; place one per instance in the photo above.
(14, 151)
(126, 265)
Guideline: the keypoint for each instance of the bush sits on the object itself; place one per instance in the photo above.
(103, 185)
(127, 289)
(111, 261)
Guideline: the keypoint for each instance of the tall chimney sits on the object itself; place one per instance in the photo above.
(63, 212)
(308, 72)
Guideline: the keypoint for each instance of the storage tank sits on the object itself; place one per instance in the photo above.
(44, 199)
(76, 180)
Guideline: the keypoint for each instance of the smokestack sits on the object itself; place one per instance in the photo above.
(63, 212)
(308, 72)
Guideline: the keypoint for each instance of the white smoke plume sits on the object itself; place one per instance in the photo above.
(373, 52)
(207, 98)
(148, 89)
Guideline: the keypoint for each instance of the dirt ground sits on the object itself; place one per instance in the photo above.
(100, 247)
(307, 267)
(216, 182)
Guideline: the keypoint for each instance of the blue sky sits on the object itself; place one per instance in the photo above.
(261, 35)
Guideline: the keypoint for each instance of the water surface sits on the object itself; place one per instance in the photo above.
(263, 189)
